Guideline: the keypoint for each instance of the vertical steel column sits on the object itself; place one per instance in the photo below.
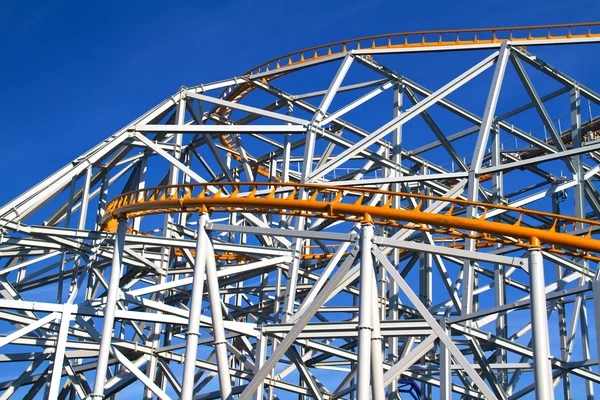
(276, 318)
(560, 307)
(393, 355)
(579, 189)
(378, 389)
(353, 364)
(425, 259)
(425, 283)
(539, 324)
(217, 320)
(365, 319)
(499, 269)
(596, 294)
(109, 311)
(562, 329)
(292, 283)
(193, 332)
(287, 148)
(445, 367)
(585, 340)
(579, 198)
(59, 354)
(261, 357)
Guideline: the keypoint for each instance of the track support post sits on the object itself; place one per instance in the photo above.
(217, 320)
(365, 321)
(539, 317)
(193, 333)
(109, 312)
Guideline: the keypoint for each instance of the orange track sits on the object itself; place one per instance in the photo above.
(344, 203)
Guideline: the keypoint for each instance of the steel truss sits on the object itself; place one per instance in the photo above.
(249, 239)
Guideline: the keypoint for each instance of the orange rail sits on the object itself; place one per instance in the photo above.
(345, 203)
(409, 40)
(435, 38)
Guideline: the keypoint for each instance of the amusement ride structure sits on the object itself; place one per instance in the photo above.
(324, 227)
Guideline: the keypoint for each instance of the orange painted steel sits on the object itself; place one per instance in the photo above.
(476, 37)
(344, 203)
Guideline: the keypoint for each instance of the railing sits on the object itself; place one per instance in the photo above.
(434, 38)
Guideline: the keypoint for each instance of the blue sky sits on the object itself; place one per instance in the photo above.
(72, 73)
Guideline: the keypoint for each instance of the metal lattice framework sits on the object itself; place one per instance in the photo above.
(250, 239)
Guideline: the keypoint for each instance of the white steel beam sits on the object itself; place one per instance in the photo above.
(265, 129)
(438, 331)
(252, 110)
(405, 116)
(109, 313)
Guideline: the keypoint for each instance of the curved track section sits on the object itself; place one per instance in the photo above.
(346, 203)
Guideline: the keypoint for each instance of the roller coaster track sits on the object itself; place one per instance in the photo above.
(410, 41)
(342, 203)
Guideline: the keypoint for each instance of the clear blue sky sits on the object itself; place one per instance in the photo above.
(72, 72)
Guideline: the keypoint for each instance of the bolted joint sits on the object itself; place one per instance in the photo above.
(359, 328)
(203, 210)
(367, 220)
(535, 244)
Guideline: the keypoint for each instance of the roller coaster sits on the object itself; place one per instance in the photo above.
(325, 227)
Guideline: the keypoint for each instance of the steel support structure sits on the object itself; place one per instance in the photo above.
(267, 237)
